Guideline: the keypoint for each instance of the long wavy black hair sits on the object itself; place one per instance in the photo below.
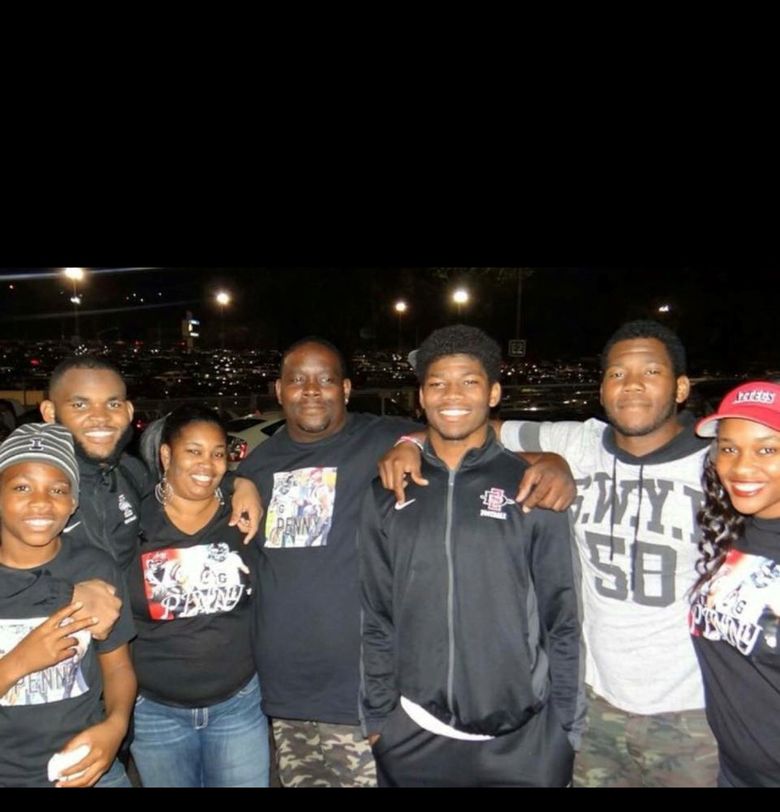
(721, 525)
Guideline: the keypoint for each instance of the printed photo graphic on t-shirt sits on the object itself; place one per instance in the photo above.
(202, 580)
(741, 603)
(64, 680)
(301, 509)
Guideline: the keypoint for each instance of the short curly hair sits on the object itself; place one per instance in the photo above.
(647, 328)
(459, 340)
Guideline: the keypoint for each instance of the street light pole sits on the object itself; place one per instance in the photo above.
(75, 275)
(400, 308)
(519, 307)
(223, 299)
(460, 297)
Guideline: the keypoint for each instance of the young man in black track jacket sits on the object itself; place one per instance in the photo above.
(471, 662)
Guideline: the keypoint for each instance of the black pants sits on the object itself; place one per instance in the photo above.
(536, 755)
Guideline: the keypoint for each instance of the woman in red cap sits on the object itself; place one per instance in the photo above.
(735, 608)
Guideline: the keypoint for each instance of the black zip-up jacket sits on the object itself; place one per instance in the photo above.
(109, 505)
(470, 606)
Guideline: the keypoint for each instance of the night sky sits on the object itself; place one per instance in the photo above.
(727, 317)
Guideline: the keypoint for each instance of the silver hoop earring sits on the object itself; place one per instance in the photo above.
(163, 492)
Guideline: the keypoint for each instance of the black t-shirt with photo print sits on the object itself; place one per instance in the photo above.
(44, 710)
(307, 622)
(191, 599)
(735, 623)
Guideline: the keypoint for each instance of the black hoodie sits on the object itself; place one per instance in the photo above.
(110, 495)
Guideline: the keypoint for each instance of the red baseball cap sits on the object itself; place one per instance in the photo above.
(758, 401)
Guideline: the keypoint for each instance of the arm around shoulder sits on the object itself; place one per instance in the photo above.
(401, 462)
(99, 601)
(548, 483)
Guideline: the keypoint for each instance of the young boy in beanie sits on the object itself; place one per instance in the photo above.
(51, 671)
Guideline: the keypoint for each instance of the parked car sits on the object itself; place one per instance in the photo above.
(246, 433)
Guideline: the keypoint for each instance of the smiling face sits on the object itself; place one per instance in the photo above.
(313, 393)
(195, 461)
(748, 464)
(92, 404)
(35, 502)
(640, 392)
(457, 397)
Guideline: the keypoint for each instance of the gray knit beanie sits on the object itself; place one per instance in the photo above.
(42, 442)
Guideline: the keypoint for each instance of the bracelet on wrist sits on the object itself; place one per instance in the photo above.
(406, 438)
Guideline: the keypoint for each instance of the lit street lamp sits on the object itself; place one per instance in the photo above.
(75, 275)
(460, 297)
(664, 308)
(222, 299)
(400, 307)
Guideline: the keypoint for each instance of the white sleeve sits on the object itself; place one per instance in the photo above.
(520, 435)
(526, 435)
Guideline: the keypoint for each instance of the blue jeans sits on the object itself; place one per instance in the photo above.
(223, 745)
(114, 777)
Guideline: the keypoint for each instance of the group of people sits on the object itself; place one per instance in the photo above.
(79, 520)
(676, 527)
(449, 624)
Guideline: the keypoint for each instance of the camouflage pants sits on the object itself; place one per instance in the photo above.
(316, 754)
(623, 749)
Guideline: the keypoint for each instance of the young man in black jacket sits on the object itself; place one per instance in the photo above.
(471, 668)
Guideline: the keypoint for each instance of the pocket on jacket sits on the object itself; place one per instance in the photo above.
(553, 711)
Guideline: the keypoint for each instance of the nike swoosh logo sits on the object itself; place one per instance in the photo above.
(402, 505)
(72, 527)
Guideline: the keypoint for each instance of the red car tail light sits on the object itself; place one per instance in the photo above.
(238, 449)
